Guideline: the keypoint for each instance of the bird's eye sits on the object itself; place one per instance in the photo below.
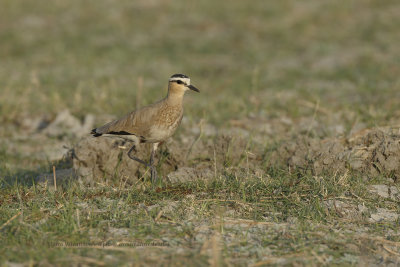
(179, 82)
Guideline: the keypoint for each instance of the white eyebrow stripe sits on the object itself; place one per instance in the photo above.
(185, 80)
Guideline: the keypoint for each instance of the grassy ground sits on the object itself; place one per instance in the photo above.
(334, 63)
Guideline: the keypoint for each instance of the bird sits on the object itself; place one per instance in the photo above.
(154, 123)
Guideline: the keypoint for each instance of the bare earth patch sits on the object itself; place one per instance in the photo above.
(370, 152)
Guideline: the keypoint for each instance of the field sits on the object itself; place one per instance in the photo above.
(290, 154)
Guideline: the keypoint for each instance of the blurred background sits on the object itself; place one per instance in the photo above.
(258, 59)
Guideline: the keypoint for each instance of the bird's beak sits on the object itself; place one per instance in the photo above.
(191, 87)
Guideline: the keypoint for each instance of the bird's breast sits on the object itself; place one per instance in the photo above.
(166, 123)
(168, 115)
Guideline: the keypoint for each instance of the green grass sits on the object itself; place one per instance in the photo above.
(284, 213)
(268, 60)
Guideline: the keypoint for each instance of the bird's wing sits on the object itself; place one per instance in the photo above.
(137, 122)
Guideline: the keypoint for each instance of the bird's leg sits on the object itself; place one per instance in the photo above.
(137, 159)
(154, 177)
(153, 170)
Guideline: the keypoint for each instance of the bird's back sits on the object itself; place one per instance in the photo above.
(153, 123)
(136, 122)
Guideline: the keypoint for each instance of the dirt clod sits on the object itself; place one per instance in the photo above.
(66, 123)
(385, 191)
(369, 152)
(383, 215)
(95, 158)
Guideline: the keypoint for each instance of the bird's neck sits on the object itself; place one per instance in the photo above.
(175, 98)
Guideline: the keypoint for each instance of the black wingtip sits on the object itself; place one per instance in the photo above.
(94, 133)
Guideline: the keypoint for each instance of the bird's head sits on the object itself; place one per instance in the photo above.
(180, 83)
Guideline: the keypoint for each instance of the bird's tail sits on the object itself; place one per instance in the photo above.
(95, 133)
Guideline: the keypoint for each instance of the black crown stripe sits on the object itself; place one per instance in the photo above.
(179, 76)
